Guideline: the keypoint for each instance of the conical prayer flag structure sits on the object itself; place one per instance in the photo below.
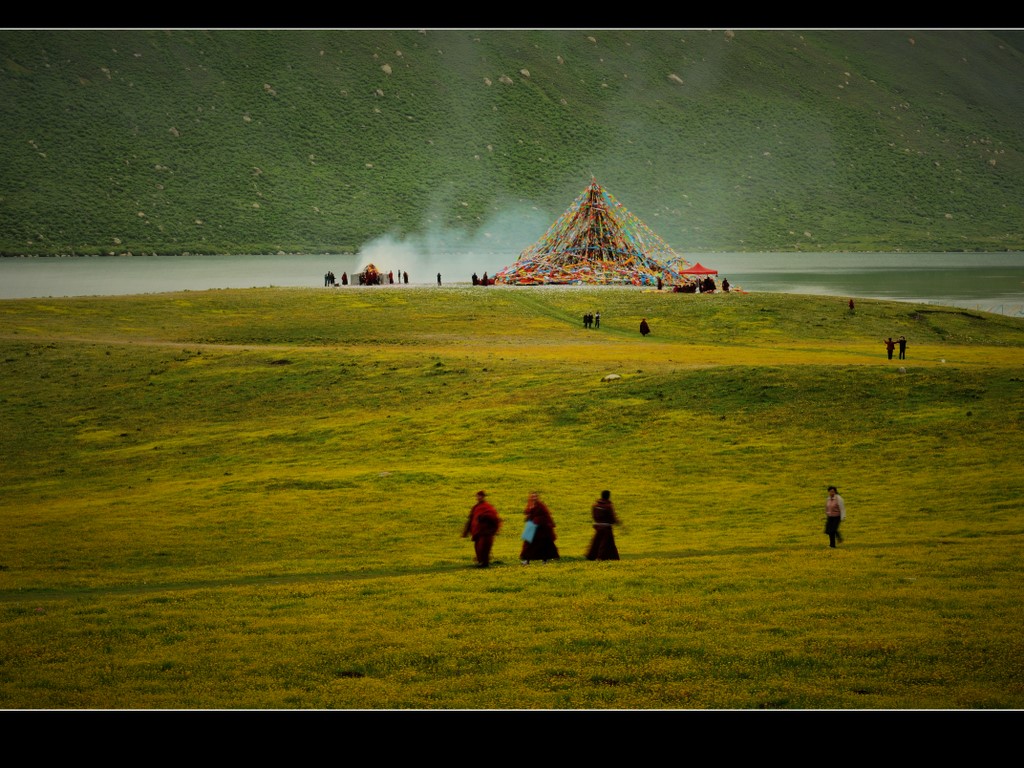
(596, 241)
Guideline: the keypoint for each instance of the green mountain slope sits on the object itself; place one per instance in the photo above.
(243, 141)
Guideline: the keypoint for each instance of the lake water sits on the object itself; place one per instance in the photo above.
(992, 282)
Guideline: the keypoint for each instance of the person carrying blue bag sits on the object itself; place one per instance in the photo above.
(538, 532)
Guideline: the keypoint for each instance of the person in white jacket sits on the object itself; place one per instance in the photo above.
(835, 513)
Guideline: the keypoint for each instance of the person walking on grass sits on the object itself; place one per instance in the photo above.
(902, 341)
(835, 513)
(602, 546)
(646, 329)
(483, 525)
(539, 532)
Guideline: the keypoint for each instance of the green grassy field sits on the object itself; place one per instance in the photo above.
(254, 499)
(241, 141)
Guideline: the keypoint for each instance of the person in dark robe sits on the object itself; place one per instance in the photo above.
(483, 525)
(438, 278)
(644, 327)
(902, 341)
(602, 546)
(405, 278)
(542, 545)
(890, 345)
(344, 278)
(725, 284)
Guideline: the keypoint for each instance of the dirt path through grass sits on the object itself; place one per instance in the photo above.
(615, 352)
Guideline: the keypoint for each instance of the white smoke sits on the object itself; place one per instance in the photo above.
(455, 254)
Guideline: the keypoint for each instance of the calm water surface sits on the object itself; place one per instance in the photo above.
(991, 282)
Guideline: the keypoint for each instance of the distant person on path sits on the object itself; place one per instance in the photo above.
(483, 525)
(602, 546)
(541, 545)
(835, 513)
(597, 320)
(890, 345)
(438, 278)
(902, 341)
(646, 329)
(851, 305)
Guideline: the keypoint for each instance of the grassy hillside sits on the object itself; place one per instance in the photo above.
(253, 499)
(136, 141)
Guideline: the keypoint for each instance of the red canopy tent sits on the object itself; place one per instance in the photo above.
(698, 269)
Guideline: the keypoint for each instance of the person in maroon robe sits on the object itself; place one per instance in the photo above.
(542, 545)
(602, 546)
(890, 345)
(644, 327)
(483, 525)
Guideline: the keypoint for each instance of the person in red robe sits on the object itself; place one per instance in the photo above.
(602, 546)
(542, 545)
(483, 525)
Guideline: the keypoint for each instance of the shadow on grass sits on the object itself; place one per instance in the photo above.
(391, 572)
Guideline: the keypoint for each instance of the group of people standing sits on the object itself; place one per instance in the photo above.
(403, 277)
(707, 285)
(371, 277)
(890, 346)
(592, 320)
(538, 535)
